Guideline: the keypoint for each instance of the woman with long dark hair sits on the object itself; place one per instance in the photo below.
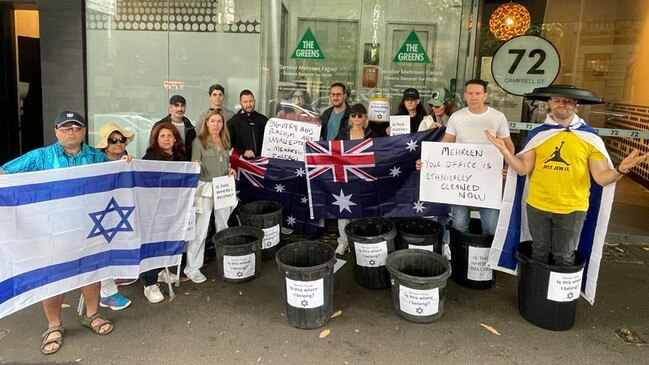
(165, 144)
(411, 105)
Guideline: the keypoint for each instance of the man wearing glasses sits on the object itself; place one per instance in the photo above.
(69, 150)
(337, 116)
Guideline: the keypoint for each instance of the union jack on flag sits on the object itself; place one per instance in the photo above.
(250, 169)
(369, 178)
(339, 160)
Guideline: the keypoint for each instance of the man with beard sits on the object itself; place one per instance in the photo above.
(560, 157)
(337, 116)
(247, 127)
(176, 116)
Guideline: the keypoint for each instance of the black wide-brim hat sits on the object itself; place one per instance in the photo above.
(567, 91)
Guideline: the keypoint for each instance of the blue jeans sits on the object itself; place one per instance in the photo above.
(462, 218)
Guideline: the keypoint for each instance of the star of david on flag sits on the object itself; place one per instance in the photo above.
(122, 226)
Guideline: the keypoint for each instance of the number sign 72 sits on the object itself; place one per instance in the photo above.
(534, 70)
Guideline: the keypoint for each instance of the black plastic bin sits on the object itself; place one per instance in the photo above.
(419, 233)
(267, 215)
(469, 253)
(371, 240)
(307, 268)
(418, 284)
(550, 309)
(238, 253)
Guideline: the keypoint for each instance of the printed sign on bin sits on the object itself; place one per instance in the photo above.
(239, 267)
(305, 294)
(419, 302)
(371, 254)
(271, 237)
(564, 287)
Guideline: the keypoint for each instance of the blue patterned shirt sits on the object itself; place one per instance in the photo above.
(53, 157)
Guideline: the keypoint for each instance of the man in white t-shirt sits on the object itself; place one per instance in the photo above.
(467, 125)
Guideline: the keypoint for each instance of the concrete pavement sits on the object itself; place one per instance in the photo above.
(216, 322)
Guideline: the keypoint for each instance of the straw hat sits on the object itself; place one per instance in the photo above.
(109, 128)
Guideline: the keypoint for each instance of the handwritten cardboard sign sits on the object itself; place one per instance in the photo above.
(399, 124)
(284, 139)
(225, 194)
(461, 174)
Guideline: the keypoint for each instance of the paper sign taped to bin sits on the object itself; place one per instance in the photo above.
(399, 124)
(477, 268)
(305, 294)
(419, 302)
(430, 248)
(371, 254)
(271, 237)
(461, 174)
(239, 267)
(564, 287)
(225, 193)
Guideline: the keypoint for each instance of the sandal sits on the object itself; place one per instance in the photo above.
(87, 322)
(56, 340)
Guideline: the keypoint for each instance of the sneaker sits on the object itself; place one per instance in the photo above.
(153, 294)
(162, 277)
(197, 277)
(122, 282)
(342, 247)
(115, 302)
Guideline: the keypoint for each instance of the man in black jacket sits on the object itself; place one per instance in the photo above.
(336, 117)
(247, 127)
(176, 116)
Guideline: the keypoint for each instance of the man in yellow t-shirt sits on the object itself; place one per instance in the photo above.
(560, 166)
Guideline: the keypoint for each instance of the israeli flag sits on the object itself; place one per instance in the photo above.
(65, 228)
(512, 222)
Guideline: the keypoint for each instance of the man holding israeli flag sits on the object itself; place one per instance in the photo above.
(559, 189)
(74, 225)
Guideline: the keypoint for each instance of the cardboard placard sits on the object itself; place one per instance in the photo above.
(461, 174)
(399, 124)
(284, 139)
(224, 192)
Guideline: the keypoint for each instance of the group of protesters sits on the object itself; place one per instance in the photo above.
(556, 203)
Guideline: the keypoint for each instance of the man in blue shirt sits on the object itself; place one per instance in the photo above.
(69, 150)
(337, 116)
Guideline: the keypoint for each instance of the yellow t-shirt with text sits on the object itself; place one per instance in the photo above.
(560, 182)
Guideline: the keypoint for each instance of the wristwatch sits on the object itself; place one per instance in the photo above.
(617, 168)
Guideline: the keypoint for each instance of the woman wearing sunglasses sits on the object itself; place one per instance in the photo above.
(357, 129)
(112, 142)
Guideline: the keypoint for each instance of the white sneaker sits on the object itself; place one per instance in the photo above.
(197, 277)
(162, 277)
(153, 294)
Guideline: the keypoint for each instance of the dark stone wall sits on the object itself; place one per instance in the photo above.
(62, 60)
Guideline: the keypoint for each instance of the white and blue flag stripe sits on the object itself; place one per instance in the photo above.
(65, 228)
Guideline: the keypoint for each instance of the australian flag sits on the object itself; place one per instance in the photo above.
(373, 177)
(283, 181)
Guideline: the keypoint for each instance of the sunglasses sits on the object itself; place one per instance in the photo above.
(354, 115)
(437, 106)
(117, 140)
(68, 129)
